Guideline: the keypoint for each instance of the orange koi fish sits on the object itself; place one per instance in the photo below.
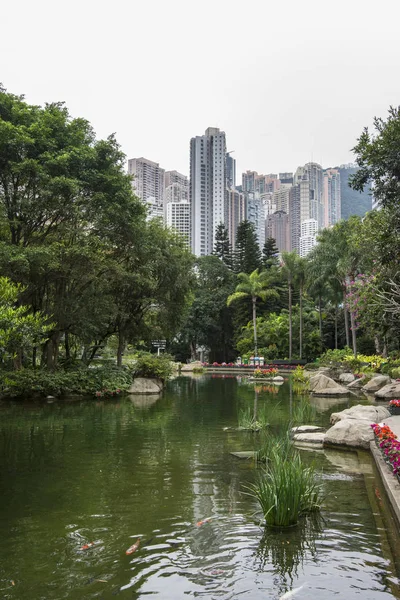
(134, 547)
(200, 523)
(87, 546)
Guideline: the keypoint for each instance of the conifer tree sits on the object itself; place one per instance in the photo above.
(247, 256)
(270, 253)
(223, 248)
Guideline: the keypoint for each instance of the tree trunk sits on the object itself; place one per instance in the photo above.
(346, 319)
(377, 345)
(301, 321)
(34, 354)
(254, 300)
(320, 316)
(121, 348)
(67, 347)
(336, 327)
(290, 318)
(353, 333)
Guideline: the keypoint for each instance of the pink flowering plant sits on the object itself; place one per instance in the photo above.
(389, 445)
(395, 402)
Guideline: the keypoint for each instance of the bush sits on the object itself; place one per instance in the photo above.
(299, 376)
(151, 365)
(102, 381)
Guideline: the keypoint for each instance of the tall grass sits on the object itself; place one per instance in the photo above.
(246, 419)
(303, 413)
(287, 489)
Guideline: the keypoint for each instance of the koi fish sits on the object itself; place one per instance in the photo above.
(87, 546)
(377, 494)
(200, 523)
(291, 593)
(134, 547)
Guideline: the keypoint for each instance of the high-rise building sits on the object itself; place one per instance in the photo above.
(176, 189)
(255, 214)
(208, 186)
(148, 181)
(331, 197)
(310, 180)
(253, 182)
(230, 172)
(308, 238)
(281, 198)
(236, 213)
(178, 217)
(294, 218)
(277, 227)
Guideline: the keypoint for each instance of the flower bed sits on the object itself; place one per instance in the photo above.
(265, 373)
(387, 441)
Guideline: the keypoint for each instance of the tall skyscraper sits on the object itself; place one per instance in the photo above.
(208, 187)
(310, 179)
(230, 172)
(255, 214)
(308, 238)
(294, 218)
(236, 213)
(277, 227)
(332, 197)
(148, 180)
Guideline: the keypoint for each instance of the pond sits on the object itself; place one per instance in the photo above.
(110, 472)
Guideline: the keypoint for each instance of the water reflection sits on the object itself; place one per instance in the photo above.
(287, 549)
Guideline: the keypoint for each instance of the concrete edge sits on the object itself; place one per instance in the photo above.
(391, 484)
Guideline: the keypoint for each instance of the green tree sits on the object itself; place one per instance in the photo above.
(289, 267)
(222, 247)
(379, 160)
(19, 330)
(270, 254)
(256, 285)
(247, 255)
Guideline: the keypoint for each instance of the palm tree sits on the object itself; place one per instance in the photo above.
(288, 268)
(255, 285)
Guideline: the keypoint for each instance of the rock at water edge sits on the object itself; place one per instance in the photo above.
(353, 433)
(372, 414)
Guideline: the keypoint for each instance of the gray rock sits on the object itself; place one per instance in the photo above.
(278, 379)
(339, 390)
(346, 378)
(354, 433)
(392, 390)
(316, 439)
(142, 385)
(357, 384)
(372, 414)
(307, 429)
(376, 383)
(321, 382)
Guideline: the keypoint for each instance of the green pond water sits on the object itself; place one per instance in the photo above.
(110, 472)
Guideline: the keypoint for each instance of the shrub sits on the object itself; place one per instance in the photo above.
(299, 376)
(151, 365)
(109, 381)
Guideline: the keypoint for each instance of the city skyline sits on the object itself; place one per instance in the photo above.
(318, 75)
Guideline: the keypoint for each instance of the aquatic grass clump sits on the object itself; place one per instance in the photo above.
(287, 489)
(282, 444)
(247, 420)
(304, 412)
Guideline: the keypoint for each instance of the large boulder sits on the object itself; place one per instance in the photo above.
(322, 385)
(357, 384)
(372, 414)
(392, 390)
(376, 383)
(346, 378)
(354, 433)
(142, 385)
(307, 429)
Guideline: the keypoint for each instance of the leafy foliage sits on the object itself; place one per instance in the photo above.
(151, 365)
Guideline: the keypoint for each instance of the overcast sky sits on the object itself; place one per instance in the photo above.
(288, 81)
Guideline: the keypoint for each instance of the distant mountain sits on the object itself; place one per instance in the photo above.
(353, 203)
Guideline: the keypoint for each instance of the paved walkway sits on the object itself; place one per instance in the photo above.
(394, 424)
